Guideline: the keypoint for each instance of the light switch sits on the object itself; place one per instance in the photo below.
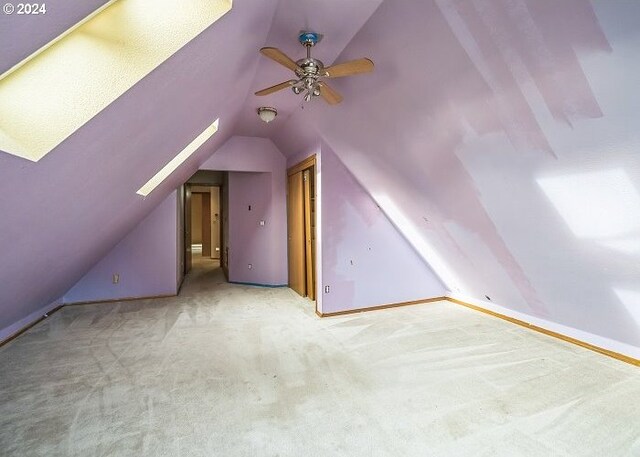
(262, 223)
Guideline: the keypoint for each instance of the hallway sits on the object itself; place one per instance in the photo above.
(229, 370)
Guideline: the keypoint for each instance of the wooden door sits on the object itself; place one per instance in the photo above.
(206, 225)
(307, 178)
(296, 238)
(224, 225)
(216, 223)
(187, 228)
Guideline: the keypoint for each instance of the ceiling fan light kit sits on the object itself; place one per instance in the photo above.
(311, 72)
(267, 113)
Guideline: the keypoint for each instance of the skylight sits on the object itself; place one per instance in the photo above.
(55, 91)
(177, 160)
(597, 204)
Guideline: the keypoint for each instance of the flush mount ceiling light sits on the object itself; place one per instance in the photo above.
(55, 91)
(267, 113)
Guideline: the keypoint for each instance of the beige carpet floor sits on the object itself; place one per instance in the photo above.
(228, 370)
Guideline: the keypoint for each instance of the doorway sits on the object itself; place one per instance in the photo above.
(301, 227)
(203, 226)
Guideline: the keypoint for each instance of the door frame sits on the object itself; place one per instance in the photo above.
(186, 215)
(205, 217)
(309, 264)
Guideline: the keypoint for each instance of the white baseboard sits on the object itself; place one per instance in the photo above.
(586, 337)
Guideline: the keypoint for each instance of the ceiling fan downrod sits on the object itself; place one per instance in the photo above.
(311, 73)
(310, 68)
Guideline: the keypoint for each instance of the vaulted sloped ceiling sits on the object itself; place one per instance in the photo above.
(500, 137)
(337, 20)
(62, 214)
(29, 33)
(67, 82)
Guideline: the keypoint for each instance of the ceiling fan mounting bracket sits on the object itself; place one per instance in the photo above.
(309, 39)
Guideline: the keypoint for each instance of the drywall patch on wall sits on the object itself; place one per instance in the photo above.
(366, 261)
(145, 261)
(499, 111)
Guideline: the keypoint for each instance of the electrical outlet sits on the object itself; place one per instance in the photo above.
(250, 266)
(116, 278)
(326, 289)
(262, 223)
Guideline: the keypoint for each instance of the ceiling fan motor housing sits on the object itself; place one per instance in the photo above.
(309, 67)
(312, 72)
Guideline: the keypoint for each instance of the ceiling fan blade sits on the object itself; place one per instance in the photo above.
(277, 87)
(352, 67)
(280, 57)
(329, 95)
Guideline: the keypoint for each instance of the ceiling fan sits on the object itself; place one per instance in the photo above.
(311, 72)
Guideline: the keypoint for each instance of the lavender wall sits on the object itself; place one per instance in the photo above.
(509, 160)
(506, 153)
(263, 186)
(145, 259)
(366, 261)
(498, 159)
(76, 203)
(250, 201)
